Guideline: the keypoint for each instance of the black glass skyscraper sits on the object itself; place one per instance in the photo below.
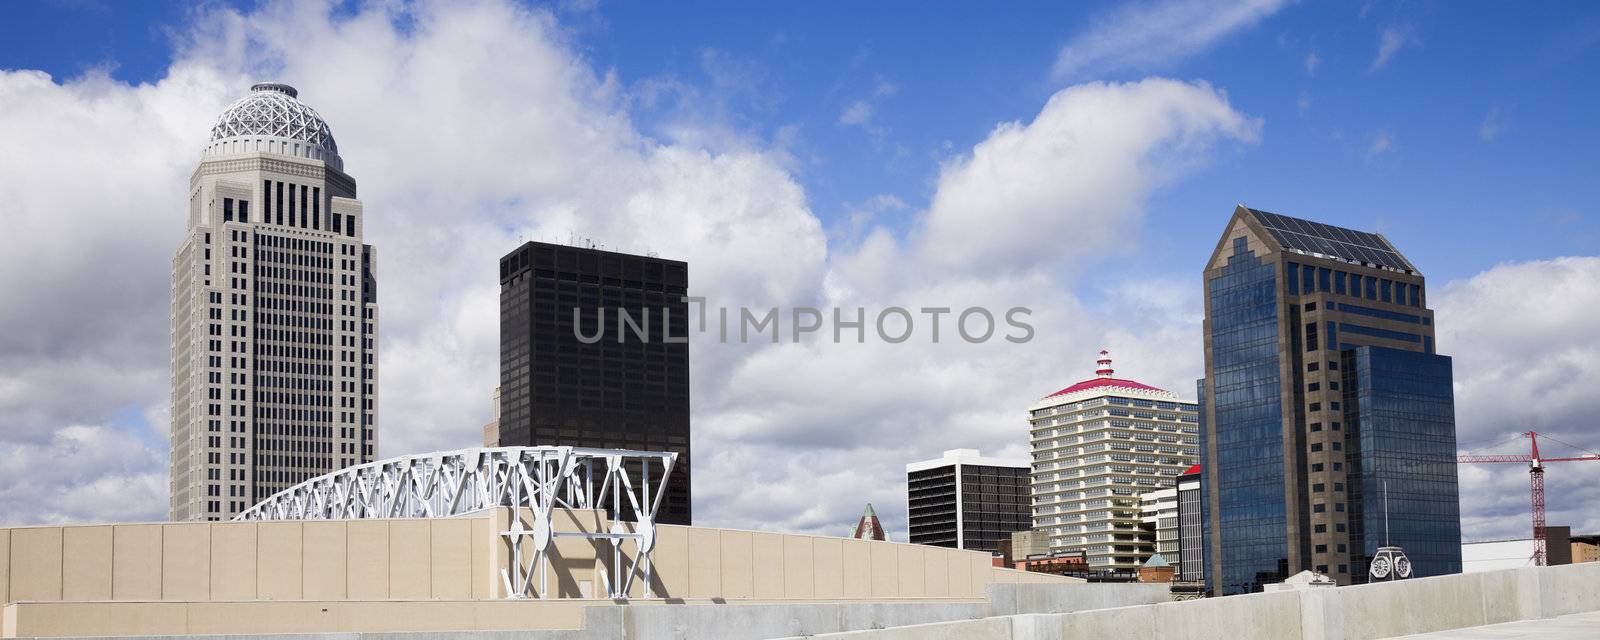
(619, 379)
(1322, 387)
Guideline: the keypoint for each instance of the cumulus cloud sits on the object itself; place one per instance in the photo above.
(1526, 351)
(83, 473)
(1152, 35)
(459, 157)
(1082, 167)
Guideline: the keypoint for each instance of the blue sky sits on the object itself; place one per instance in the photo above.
(1079, 158)
(1472, 145)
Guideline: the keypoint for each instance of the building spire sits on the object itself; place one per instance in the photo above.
(1105, 369)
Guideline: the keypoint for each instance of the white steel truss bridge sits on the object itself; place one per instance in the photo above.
(627, 485)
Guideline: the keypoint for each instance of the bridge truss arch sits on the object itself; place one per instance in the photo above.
(627, 485)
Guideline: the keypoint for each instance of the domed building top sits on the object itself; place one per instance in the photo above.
(272, 119)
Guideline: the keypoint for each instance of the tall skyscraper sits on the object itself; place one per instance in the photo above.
(1097, 445)
(594, 352)
(964, 500)
(274, 312)
(1322, 388)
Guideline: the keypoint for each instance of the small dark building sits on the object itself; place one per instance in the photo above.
(594, 352)
(1191, 558)
(989, 502)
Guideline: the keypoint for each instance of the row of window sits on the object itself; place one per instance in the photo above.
(1306, 279)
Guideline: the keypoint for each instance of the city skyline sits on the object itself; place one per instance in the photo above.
(446, 150)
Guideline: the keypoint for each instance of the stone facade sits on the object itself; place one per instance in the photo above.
(274, 317)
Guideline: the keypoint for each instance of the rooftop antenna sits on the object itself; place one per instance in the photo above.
(1386, 513)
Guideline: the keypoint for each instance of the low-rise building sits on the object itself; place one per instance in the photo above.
(965, 500)
(1191, 539)
(1158, 513)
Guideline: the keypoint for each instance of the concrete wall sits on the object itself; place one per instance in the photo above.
(459, 559)
(215, 561)
(699, 562)
(1362, 612)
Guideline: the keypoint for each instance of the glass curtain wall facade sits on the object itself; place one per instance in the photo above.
(1402, 438)
(1244, 462)
(1322, 384)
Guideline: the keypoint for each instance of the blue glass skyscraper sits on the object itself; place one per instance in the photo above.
(1322, 387)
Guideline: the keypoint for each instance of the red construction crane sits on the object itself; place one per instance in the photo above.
(1535, 483)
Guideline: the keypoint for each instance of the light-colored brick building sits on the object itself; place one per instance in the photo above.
(1098, 445)
(274, 313)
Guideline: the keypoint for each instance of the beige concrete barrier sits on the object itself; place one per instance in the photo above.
(352, 570)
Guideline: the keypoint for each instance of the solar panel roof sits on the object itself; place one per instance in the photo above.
(1305, 236)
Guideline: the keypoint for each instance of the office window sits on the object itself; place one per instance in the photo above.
(1371, 287)
(1311, 336)
(1312, 366)
(1316, 446)
(1319, 508)
(1318, 487)
(244, 211)
(227, 209)
(1322, 548)
(1323, 275)
(1338, 282)
(1291, 279)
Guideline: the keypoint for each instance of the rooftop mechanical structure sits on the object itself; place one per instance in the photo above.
(272, 118)
(626, 485)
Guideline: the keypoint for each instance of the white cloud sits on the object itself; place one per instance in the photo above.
(1152, 35)
(1080, 169)
(1526, 351)
(1390, 40)
(858, 113)
(83, 474)
(1382, 142)
(1302, 103)
(1313, 61)
(459, 157)
(1491, 126)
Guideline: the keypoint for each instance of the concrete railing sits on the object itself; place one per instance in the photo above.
(1360, 612)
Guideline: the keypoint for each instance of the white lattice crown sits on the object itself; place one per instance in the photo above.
(274, 110)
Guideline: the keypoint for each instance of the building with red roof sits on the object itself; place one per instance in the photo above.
(1097, 446)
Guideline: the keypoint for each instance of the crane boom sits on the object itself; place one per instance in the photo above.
(1535, 484)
